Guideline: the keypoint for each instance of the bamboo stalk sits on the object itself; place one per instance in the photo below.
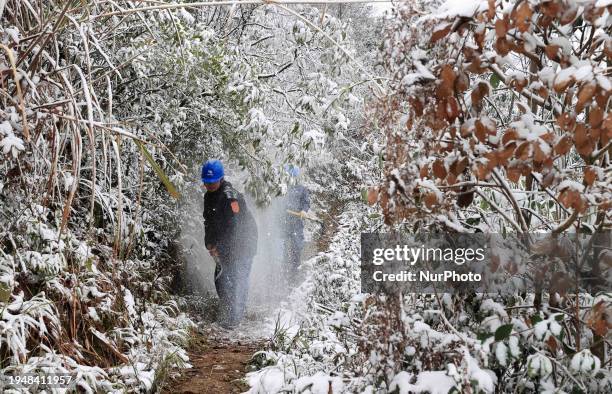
(9, 54)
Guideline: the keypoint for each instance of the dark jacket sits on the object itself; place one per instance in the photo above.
(228, 223)
(297, 199)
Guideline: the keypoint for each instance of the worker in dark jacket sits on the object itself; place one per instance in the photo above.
(231, 238)
(296, 203)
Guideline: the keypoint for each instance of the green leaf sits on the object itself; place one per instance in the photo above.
(494, 80)
(364, 195)
(535, 319)
(5, 292)
(158, 170)
(89, 264)
(296, 128)
(473, 221)
(567, 349)
(503, 332)
(483, 336)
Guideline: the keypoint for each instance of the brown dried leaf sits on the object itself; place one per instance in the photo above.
(602, 97)
(509, 135)
(597, 319)
(438, 169)
(479, 92)
(551, 9)
(479, 38)
(543, 92)
(481, 131)
(462, 165)
(440, 32)
(501, 28)
(505, 154)
(585, 94)
(581, 136)
(561, 84)
(566, 121)
(585, 149)
(372, 195)
(462, 82)
(518, 83)
(424, 172)
(482, 172)
(589, 176)
(595, 117)
(523, 16)
(607, 125)
(491, 9)
(430, 200)
(447, 81)
(552, 51)
(452, 109)
(502, 46)
(465, 197)
(538, 153)
(523, 152)
(475, 65)
(564, 145)
(572, 199)
(514, 174)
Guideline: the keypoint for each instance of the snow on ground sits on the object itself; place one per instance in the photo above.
(332, 281)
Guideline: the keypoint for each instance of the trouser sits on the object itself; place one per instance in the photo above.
(232, 284)
(293, 245)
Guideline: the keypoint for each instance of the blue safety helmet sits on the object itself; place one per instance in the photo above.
(212, 171)
(292, 170)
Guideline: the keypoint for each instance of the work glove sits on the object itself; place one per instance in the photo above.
(214, 252)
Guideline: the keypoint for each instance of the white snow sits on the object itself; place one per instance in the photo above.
(584, 73)
(433, 382)
(539, 365)
(6, 128)
(541, 329)
(585, 362)
(572, 185)
(565, 75)
(12, 144)
(269, 380)
(501, 352)
(467, 8)
(423, 71)
(485, 378)
(604, 82)
(513, 344)
(319, 383)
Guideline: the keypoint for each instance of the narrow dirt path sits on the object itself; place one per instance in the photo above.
(219, 364)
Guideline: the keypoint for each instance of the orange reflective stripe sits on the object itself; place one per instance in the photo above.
(235, 206)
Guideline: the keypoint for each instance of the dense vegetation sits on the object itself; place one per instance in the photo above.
(459, 116)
